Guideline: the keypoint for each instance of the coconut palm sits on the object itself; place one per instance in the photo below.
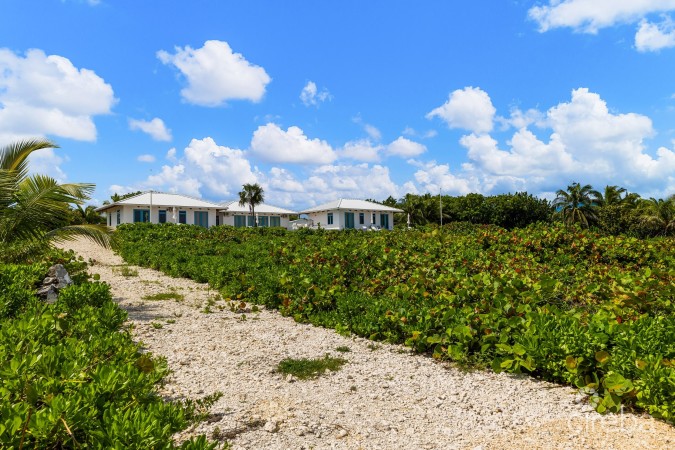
(660, 214)
(612, 196)
(35, 208)
(87, 214)
(251, 195)
(577, 204)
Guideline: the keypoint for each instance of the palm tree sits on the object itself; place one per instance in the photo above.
(576, 204)
(251, 195)
(34, 209)
(660, 214)
(612, 196)
(87, 215)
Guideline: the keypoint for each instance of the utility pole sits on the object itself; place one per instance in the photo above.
(440, 205)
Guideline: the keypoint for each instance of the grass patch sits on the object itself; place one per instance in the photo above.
(164, 296)
(126, 271)
(305, 368)
(156, 325)
(343, 349)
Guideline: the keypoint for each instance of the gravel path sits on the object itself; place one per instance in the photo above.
(383, 398)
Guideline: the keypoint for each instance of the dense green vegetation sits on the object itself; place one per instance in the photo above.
(613, 211)
(70, 374)
(560, 303)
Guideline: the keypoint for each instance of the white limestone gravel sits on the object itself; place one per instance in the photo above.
(383, 398)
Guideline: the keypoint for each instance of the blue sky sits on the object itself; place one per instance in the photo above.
(361, 99)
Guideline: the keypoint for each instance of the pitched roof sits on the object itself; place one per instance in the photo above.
(353, 204)
(262, 208)
(162, 199)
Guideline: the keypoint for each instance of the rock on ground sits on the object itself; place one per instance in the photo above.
(383, 398)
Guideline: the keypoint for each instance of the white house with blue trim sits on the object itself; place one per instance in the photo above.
(163, 207)
(346, 213)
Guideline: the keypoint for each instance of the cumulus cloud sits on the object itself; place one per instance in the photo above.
(405, 148)
(311, 96)
(591, 15)
(215, 74)
(273, 144)
(155, 128)
(652, 37)
(47, 162)
(587, 142)
(206, 166)
(146, 158)
(171, 154)
(206, 169)
(434, 177)
(48, 95)
(362, 150)
(469, 108)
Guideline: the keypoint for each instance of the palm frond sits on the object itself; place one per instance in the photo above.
(14, 157)
(99, 234)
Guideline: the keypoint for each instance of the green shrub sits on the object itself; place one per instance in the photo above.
(564, 304)
(88, 294)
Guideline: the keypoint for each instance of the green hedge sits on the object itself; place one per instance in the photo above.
(71, 376)
(559, 303)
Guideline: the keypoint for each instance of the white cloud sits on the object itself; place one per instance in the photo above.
(587, 143)
(311, 96)
(273, 144)
(155, 128)
(652, 37)
(205, 165)
(372, 131)
(591, 15)
(215, 74)
(146, 158)
(47, 162)
(469, 108)
(171, 154)
(48, 95)
(434, 178)
(405, 148)
(409, 131)
(362, 150)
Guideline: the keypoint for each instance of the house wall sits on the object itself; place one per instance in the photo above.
(127, 214)
(339, 219)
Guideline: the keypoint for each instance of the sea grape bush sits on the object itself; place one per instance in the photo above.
(558, 303)
(70, 374)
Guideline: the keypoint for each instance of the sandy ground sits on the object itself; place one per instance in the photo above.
(383, 398)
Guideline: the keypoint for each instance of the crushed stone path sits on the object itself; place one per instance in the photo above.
(383, 398)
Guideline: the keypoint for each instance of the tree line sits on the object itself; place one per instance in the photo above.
(611, 211)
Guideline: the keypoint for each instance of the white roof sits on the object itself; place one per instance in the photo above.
(262, 208)
(162, 199)
(351, 204)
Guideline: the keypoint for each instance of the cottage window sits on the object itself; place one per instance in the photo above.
(239, 221)
(202, 218)
(162, 216)
(119, 216)
(263, 221)
(141, 215)
(330, 218)
(182, 216)
(384, 221)
(109, 219)
(372, 220)
(362, 218)
(275, 221)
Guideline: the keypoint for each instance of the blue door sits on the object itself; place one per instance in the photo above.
(349, 220)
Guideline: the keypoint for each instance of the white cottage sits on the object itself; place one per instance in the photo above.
(161, 207)
(347, 213)
(232, 213)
